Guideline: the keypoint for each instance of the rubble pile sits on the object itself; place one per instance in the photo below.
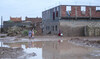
(10, 52)
(13, 31)
(83, 42)
(14, 53)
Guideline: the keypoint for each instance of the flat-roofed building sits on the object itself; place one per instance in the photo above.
(70, 19)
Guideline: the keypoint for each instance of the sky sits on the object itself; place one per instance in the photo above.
(34, 8)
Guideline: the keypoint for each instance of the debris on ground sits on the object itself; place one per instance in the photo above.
(3, 35)
(15, 31)
(10, 52)
(13, 53)
(90, 43)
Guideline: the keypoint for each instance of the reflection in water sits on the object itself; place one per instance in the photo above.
(63, 50)
(29, 48)
(57, 50)
(2, 45)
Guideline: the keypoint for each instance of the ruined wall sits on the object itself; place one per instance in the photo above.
(76, 27)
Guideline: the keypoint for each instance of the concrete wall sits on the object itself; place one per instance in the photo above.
(51, 13)
(50, 27)
(76, 27)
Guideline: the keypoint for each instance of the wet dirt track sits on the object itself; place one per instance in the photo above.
(53, 50)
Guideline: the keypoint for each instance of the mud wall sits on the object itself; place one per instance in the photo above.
(76, 27)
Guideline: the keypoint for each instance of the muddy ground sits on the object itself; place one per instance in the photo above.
(85, 42)
(12, 53)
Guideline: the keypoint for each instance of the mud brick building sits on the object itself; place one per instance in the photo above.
(29, 23)
(15, 21)
(70, 19)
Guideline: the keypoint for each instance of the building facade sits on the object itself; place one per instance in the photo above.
(15, 21)
(70, 19)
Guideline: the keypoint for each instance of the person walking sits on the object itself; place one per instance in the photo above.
(30, 34)
(33, 33)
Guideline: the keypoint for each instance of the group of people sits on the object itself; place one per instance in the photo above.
(31, 34)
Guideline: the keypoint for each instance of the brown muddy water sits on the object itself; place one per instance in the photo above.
(54, 50)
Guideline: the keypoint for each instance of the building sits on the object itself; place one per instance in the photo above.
(16, 19)
(7, 24)
(36, 22)
(29, 23)
(70, 19)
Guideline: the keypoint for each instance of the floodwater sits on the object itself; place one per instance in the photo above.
(55, 50)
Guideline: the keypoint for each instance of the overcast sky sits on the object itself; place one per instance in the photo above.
(34, 8)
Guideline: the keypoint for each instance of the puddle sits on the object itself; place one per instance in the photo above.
(55, 50)
(96, 53)
(37, 51)
(2, 45)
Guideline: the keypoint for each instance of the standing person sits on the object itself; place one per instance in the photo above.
(60, 33)
(30, 34)
(33, 33)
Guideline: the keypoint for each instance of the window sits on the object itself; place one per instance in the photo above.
(83, 8)
(56, 27)
(52, 28)
(57, 8)
(47, 27)
(97, 8)
(53, 15)
(68, 10)
(56, 13)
